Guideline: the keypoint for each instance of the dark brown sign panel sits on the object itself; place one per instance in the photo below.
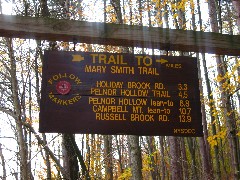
(106, 93)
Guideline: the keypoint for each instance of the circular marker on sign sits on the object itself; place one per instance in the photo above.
(63, 87)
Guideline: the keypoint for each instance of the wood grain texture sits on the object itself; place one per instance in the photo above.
(119, 35)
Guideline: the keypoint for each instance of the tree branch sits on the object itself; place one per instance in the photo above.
(46, 148)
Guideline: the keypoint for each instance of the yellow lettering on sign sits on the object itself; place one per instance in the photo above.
(108, 59)
(175, 66)
(184, 131)
(159, 86)
(95, 100)
(102, 58)
(163, 118)
(95, 69)
(137, 109)
(75, 78)
(142, 117)
(132, 102)
(56, 77)
(148, 71)
(122, 70)
(63, 102)
(103, 92)
(138, 85)
(144, 60)
(161, 103)
(134, 93)
(157, 93)
(109, 84)
(185, 118)
(110, 116)
(151, 110)
(154, 110)
(59, 76)
(94, 57)
(110, 109)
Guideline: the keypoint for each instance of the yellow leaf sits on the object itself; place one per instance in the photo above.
(175, 15)
(212, 140)
(222, 134)
(219, 78)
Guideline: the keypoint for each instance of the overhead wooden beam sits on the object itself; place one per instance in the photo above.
(118, 34)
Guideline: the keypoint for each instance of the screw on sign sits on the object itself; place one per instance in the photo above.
(63, 87)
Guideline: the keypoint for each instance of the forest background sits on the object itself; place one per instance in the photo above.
(27, 154)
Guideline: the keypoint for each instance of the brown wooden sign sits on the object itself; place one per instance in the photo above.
(106, 93)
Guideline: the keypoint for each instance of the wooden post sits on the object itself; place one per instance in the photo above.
(119, 35)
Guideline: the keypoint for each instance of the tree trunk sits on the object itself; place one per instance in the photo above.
(162, 154)
(48, 164)
(175, 164)
(225, 96)
(214, 26)
(213, 119)
(192, 147)
(108, 157)
(212, 9)
(185, 167)
(204, 147)
(25, 172)
(71, 162)
(152, 149)
(136, 158)
(119, 154)
(0, 6)
(4, 174)
(230, 120)
(236, 4)
(117, 8)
